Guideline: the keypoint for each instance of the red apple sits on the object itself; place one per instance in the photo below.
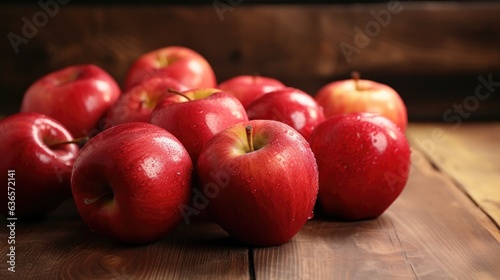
(261, 180)
(136, 104)
(356, 96)
(291, 106)
(129, 182)
(179, 63)
(248, 88)
(76, 96)
(33, 147)
(363, 162)
(196, 116)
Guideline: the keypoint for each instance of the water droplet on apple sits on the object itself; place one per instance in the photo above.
(254, 190)
(311, 216)
(178, 174)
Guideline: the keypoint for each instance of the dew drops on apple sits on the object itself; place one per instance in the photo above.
(152, 167)
(379, 141)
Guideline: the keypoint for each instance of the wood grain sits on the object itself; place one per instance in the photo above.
(62, 247)
(432, 231)
(425, 49)
(468, 154)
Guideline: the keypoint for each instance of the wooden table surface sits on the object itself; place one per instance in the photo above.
(445, 225)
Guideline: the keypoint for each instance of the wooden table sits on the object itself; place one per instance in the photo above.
(445, 225)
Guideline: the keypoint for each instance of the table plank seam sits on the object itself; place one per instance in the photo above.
(434, 164)
(251, 264)
(404, 251)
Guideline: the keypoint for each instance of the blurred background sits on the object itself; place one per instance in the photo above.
(433, 53)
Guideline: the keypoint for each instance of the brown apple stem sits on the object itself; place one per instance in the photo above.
(255, 76)
(249, 131)
(356, 76)
(163, 60)
(178, 93)
(89, 201)
(80, 141)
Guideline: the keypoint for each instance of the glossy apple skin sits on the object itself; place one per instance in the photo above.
(248, 88)
(76, 96)
(342, 97)
(291, 106)
(195, 122)
(141, 173)
(363, 161)
(42, 174)
(266, 196)
(137, 104)
(179, 63)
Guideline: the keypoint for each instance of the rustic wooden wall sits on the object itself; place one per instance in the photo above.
(432, 53)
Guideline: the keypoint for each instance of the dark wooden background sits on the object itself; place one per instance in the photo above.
(431, 52)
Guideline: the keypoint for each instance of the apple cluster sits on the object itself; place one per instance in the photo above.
(251, 153)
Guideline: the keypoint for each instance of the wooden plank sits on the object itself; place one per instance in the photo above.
(432, 231)
(426, 48)
(469, 154)
(62, 247)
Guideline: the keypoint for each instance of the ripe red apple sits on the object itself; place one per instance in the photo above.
(179, 63)
(291, 106)
(261, 180)
(196, 116)
(129, 181)
(136, 104)
(248, 88)
(356, 96)
(363, 161)
(34, 147)
(77, 96)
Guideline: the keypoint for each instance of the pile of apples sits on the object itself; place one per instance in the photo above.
(250, 153)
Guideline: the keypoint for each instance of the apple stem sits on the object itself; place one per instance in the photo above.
(80, 141)
(255, 76)
(356, 76)
(163, 60)
(179, 93)
(89, 201)
(249, 131)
